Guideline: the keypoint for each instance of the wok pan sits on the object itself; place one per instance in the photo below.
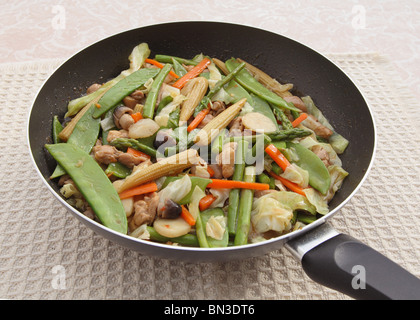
(332, 259)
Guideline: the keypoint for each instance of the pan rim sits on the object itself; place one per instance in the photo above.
(280, 239)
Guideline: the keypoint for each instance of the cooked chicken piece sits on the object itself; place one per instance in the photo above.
(217, 171)
(145, 210)
(322, 154)
(226, 159)
(106, 154)
(206, 120)
(131, 160)
(312, 123)
(297, 102)
(114, 134)
(133, 99)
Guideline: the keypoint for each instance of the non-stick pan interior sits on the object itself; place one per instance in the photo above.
(284, 59)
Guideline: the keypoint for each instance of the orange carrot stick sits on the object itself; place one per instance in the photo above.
(137, 116)
(194, 72)
(142, 189)
(231, 184)
(299, 119)
(277, 156)
(206, 201)
(187, 216)
(137, 153)
(288, 184)
(159, 65)
(197, 120)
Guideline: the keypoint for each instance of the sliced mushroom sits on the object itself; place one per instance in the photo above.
(171, 210)
(119, 112)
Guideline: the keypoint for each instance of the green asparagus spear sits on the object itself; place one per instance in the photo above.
(123, 143)
(289, 134)
(234, 194)
(245, 208)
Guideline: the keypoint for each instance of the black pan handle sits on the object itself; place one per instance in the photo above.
(340, 262)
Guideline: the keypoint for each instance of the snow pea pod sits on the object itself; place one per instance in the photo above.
(250, 83)
(261, 106)
(319, 177)
(118, 169)
(205, 217)
(237, 92)
(123, 88)
(84, 136)
(57, 127)
(93, 183)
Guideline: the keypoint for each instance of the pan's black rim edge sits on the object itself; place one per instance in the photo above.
(282, 238)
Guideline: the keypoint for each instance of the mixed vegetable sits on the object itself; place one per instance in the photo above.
(196, 152)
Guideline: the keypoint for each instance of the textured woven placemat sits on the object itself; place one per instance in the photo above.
(35, 248)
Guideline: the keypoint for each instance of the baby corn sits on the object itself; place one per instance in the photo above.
(194, 91)
(281, 89)
(167, 166)
(206, 135)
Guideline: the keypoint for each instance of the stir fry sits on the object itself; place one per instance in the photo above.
(196, 152)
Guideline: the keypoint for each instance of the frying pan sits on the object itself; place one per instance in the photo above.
(328, 257)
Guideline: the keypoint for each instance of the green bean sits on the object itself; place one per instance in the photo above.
(93, 183)
(234, 194)
(306, 218)
(251, 84)
(150, 104)
(219, 84)
(168, 59)
(245, 208)
(275, 168)
(189, 240)
(123, 88)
